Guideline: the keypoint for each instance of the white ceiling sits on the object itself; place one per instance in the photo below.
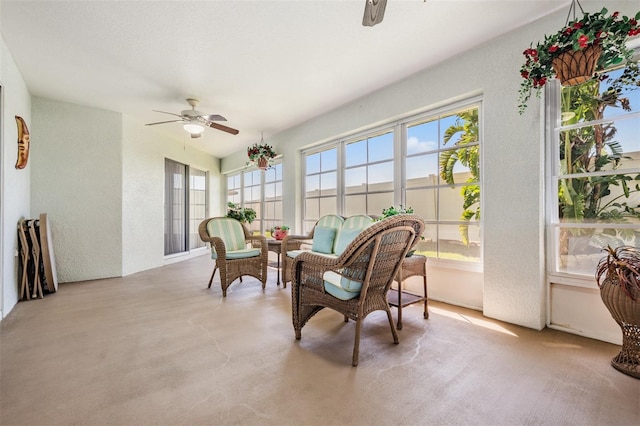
(264, 65)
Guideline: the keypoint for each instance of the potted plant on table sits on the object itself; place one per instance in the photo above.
(279, 232)
(392, 211)
(618, 276)
(579, 52)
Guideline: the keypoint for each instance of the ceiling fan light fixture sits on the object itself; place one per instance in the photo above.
(193, 128)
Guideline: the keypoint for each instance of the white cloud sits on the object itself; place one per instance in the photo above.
(416, 145)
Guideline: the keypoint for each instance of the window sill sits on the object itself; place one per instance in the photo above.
(455, 264)
(575, 280)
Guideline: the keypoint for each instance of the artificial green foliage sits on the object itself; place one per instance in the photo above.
(392, 211)
(610, 32)
(241, 214)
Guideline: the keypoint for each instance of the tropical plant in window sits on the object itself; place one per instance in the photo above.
(467, 153)
(592, 191)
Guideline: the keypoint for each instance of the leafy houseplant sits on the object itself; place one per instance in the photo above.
(618, 276)
(392, 211)
(241, 214)
(261, 155)
(601, 37)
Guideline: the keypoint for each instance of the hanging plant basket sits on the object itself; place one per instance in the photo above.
(574, 67)
(261, 154)
(263, 163)
(585, 46)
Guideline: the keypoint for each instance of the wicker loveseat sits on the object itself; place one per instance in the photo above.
(329, 237)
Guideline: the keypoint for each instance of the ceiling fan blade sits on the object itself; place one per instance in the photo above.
(373, 12)
(213, 117)
(162, 122)
(223, 128)
(165, 112)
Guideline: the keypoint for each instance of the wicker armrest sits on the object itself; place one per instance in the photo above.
(310, 267)
(258, 241)
(218, 245)
(297, 240)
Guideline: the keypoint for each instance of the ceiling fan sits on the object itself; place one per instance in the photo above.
(373, 12)
(194, 121)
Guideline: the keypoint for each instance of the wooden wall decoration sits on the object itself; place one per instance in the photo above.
(23, 143)
(37, 270)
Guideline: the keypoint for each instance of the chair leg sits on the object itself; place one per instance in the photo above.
(211, 279)
(393, 327)
(356, 344)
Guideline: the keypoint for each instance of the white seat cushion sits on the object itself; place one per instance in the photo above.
(341, 287)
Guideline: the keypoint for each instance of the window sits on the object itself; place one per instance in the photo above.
(595, 172)
(252, 196)
(368, 175)
(261, 191)
(185, 207)
(321, 195)
(429, 162)
(442, 182)
(272, 210)
(197, 205)
(234, 187)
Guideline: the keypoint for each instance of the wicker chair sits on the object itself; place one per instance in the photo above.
(330, 220)
(228, 239)
(355, 283)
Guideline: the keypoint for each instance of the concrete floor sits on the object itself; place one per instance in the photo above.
(159, 348)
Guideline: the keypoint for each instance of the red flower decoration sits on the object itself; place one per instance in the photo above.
(583, 40)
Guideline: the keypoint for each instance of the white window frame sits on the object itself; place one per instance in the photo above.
(241, 173)
(398, 128)
(553, 128)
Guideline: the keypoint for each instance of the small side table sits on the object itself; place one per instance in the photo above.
(415, 265)
(276, 247)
